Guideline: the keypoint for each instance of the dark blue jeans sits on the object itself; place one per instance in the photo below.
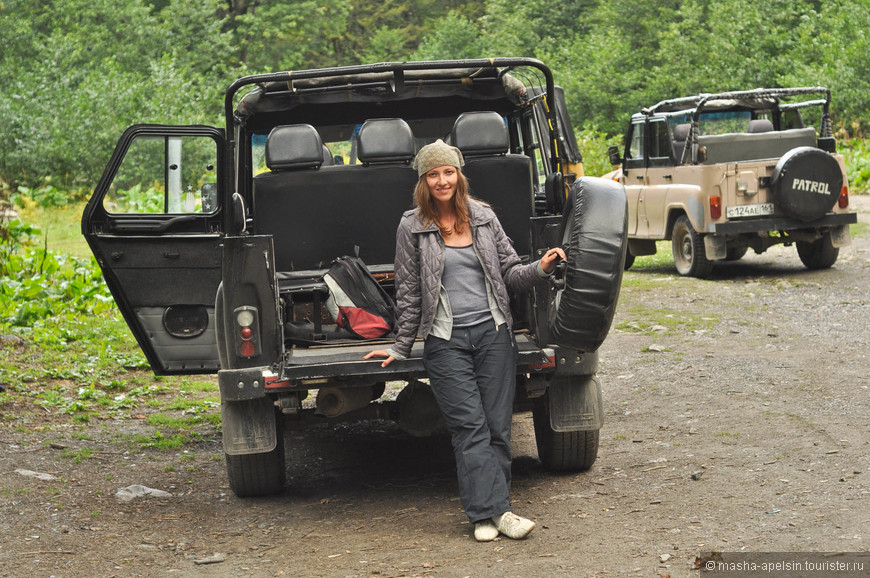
(473, 377)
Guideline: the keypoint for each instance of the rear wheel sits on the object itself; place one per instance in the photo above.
(572, 450)
(736, 253)
(690, 257)
(262, 474)
(820, 254)
(629, 260)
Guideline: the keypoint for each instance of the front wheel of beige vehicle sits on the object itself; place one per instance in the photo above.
(819, 254)
(690, 257)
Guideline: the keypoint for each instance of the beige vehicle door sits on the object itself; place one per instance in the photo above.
(634, 174)
(654, 198)
(648, 173)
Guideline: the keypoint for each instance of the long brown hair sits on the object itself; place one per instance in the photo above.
(429, 212)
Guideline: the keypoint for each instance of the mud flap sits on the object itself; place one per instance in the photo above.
(248, 426)
(715, 247)
(594, 237)
(840, 236)
(576, 404)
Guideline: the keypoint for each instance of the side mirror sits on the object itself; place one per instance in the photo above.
(613, 153)
(702, 154)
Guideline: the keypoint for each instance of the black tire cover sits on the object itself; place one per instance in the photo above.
(594, 236)
(806, 183)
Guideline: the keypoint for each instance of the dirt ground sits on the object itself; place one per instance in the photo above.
(737, 413)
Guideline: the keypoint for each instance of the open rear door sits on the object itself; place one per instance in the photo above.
(155, 225)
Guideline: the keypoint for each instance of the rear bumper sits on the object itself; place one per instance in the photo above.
(344, 366)
(784, 224)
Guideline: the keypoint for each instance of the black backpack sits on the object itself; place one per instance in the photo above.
(356, 301)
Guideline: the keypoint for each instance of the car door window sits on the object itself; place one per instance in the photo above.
(660, 152)
(165, 175)
(636, 147)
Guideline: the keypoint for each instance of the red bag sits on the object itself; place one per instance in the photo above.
(356, 301)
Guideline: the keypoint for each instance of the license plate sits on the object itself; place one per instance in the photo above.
(737, 211)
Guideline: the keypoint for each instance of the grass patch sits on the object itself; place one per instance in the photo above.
(652, 321)
(55, 223)
(78, 456)
(174, 422)
(160, 442)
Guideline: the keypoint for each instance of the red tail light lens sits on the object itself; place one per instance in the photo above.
(843, 201)
(247, 333)
(715, 207)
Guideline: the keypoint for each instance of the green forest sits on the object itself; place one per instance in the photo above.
(77, 72)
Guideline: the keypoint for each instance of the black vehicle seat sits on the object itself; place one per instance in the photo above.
(501, 179)
(294, 154)
(385, 140)
(294, 147)
(681, 133)
(317, 215)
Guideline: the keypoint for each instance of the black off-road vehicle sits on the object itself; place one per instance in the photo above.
(721, 173)
(215, 242)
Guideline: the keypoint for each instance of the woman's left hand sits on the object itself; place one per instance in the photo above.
(551, 258)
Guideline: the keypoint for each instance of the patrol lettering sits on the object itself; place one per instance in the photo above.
(819, 187)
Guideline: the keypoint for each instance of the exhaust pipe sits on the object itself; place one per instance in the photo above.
(335, 401)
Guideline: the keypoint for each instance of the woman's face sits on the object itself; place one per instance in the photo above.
(442, 183)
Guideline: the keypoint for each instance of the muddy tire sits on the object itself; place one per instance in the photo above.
(690, 258)
(263, 474)
(594, 236)
(819, 254)
(562, 451)
(806, 183)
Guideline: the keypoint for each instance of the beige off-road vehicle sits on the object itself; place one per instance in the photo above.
(718, 174)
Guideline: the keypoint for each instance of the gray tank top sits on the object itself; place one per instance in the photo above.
(464, 281)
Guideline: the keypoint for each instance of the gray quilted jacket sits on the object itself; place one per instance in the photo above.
(420, 263)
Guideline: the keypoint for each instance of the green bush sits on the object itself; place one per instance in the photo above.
(36, 284)
(593, 146)
(857, 157)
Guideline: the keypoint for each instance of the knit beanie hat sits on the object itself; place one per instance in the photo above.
(437, 154)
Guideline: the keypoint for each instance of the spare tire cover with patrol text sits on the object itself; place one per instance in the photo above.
(594, 236)
(806, 183)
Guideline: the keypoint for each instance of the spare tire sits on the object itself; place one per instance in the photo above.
(594, 236)
(806, 183)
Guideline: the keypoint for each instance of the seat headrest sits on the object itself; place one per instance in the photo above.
(480, 133)
(759, 125)
(328, 159)
(681, 131)
(385, 140)
(294, 146)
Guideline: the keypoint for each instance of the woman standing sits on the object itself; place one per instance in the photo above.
(454, 265)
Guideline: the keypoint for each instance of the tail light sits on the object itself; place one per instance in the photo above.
(843, 201)
(247, 331)
(715, 207)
